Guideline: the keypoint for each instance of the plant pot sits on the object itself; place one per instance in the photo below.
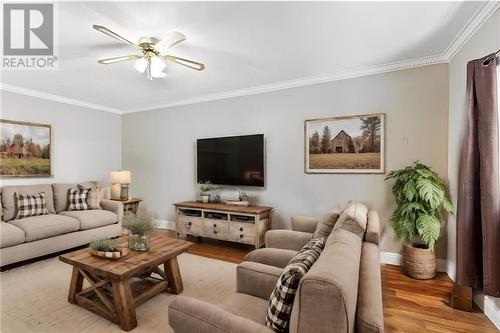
(110, 255)
(419, 262)
(138, 242)
(205, 198)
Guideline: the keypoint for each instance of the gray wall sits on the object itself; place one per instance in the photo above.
(484, 41)
(159, 146)
(86, 143)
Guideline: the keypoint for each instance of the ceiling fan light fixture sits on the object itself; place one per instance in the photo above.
(157, 66)
(141, 64)
(153, 60)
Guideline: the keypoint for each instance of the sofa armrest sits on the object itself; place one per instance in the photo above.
(372, 233)
(188, 315)
(369, 309)
(259, 280)
(287, 239)
(304, 223)
(113, 206)
(271, 256)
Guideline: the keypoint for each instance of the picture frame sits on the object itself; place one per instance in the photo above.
(25, 149)
(346, 144)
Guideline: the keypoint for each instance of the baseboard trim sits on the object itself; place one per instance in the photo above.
(487, 305)
(395, 259)
(164, 224)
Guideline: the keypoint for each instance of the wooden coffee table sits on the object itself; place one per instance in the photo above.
(117, 287)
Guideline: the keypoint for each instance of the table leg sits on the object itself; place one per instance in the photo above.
(75, 285)
(124, 304)
(174, 276)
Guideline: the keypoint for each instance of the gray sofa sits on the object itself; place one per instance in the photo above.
(31, 237)
(340, 293)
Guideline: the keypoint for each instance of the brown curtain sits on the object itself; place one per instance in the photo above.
(478, 213)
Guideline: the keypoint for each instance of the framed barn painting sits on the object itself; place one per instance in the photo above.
(25, 149)
(351, 144)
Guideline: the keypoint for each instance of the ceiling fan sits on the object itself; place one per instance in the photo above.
(154, 57)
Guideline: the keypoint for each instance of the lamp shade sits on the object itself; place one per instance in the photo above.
(120, 177)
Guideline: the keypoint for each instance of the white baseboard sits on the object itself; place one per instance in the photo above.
(488, 306)
(395, 259)
(164, 224)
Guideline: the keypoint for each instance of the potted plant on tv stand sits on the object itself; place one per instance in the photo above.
(139, 227)
(206, 189)
(421, 203)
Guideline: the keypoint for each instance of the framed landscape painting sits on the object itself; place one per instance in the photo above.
(351, 144)
(25, 149)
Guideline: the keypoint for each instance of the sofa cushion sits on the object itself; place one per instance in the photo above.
(90, 219)
(61, 193)
(246, 306)
(9, 193)
(281, 301)
(45, 226)
(326, 223)
(10, 235)
(95, 196)
(353, 219)
(77, 198)
(31, 205)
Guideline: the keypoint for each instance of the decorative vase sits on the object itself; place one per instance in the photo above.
(419, 262)
(138, 242)
(205, 197)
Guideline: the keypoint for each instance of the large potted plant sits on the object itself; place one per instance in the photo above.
(421, 204)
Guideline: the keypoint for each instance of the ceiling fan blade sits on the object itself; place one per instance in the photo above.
(185, 62)
(118, 59)
(110, 33)
(170, 41)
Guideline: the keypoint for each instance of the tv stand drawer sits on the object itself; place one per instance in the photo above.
(241, 228)
(215, 228)
(189, 225)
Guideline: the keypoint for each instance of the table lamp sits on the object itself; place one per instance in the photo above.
(119, 184)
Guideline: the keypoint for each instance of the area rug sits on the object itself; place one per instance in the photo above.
(34, 297)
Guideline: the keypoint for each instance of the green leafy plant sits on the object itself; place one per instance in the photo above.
(105, 245)
(421, 200)
(139, 224)
(207, 187)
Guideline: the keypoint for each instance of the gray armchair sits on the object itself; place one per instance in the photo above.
(302, 231)
(243, 312)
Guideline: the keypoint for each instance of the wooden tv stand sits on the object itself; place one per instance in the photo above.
(239, 224)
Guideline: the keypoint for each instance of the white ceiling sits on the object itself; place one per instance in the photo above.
(246, 47)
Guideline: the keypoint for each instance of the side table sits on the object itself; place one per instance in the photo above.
(130, 205)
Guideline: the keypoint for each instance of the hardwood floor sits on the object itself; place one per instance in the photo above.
(409, 305)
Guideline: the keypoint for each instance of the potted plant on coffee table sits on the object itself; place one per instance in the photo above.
(139, 227)
(421, 204)
(107, 248)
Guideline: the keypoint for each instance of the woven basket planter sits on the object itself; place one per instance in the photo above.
(419, 262)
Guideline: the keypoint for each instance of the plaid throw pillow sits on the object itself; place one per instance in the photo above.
(77, 198)
(281, 300)
(31, 205)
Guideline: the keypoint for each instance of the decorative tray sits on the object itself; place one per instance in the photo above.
(110, 255)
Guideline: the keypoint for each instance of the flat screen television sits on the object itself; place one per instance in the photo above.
(233, 160)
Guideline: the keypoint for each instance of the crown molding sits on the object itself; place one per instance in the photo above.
(307, 81)
(482, 14)
(55, 98)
